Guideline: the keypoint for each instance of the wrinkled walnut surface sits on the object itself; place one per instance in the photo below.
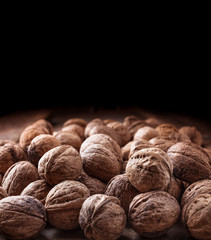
(153, 213)
(101, 217)
(193, 133)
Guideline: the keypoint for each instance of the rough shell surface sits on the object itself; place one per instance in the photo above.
(59, 164)
(193, 133)
(80, 121)
(145, 133)
(3, 193)
(138, 145)
(101, 217)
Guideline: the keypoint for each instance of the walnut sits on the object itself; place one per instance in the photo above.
(18, 176)
(21, 217)
(120, 187)
(175, 188)
(3, 193)
(93, 184)
(165, 129)
(101, 217)
(63, 204)
(44, 123)
(66, 138)
(29, 133)
(94, 122)
(122, 132)
(145, 133)
(101, 157)
(38, 189)
(10, 153)
(59, 164)
(208, 151)
(149, 169)
(108, 120)
(196, 209)
(79, 121)
(153, 213)
(74, 129)
(138, 145)
(129, 120)
(125, 150)
(193, 133)
(40, 145)
(164, 143)
(134, 126)
(190, 161)
(153, 122)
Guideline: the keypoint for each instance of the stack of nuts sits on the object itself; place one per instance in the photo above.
(103, 174)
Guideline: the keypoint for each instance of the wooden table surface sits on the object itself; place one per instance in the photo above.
(11, 126)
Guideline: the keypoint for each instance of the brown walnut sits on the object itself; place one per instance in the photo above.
(21, 217)
(40, 145)
(44, 123)
(164, 143)
(153, 213)
(94, 122)
(165, 129)
(190, 161)
(74, 129)
(63, 204)
(59, 164)
(10, 153)
(138, 145)
(196, 209)
(38, 189)
(120, 187)
(18, 176)
(79, 121)
(101, 157)
(125, 150)
(193, 133)
(145, 133)
(149, 169)
(3, 193)
(101, 217)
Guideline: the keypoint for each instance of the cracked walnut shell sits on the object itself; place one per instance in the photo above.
(153, 213)
(149, 169)
(63, 204)
(21, 217)
(59, 164)
(101, 217)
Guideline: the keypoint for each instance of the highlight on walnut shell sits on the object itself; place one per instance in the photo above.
(101, 217)
(149, 169)
(63, 204)
(21, 217)
(153, 213)
(59, 164)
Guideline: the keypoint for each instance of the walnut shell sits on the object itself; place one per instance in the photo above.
(18, 176)
(190, 161)
(149, 169)
(59, 164)
(164, 143)
(196, 209)
(120, 187)
(44, 123)
(125, 150)
(29, 133)
(165, 129)
(38, 189)
(153, 213)
(129, 120)
(121, 131)
(101, 217)
(193, 133)
(74, 129)
(10, 153)
(94, 122)
(101, 157)
(93, 184)
(67, 138)
(21, 217)
(175, 188)
(63, 204)
(133, 128)
(153, 122)
(3, 193)
(145, 133)
(40, 145)
(80, 121)
(138, 145)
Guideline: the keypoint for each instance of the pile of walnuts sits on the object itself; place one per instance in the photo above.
(102, 174)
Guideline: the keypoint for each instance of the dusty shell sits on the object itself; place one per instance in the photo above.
(120, 187)
(59, 164)
(18, 176)
(38, 189)
(3, 193)
(40, 145)
(153, 213)
(80, 121)
(164, 143)
(94, 185)
(190, 161)
(10, 153)
(101, 217)
(138, 145)
(165, 129)
(193, 133)
(122, 132)
(101, 157)
(149, 169)
(66, 138)
(145, 133)
(21, 217)
(63, 204)
(94, 122)
(153, 122)
(74, 129)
